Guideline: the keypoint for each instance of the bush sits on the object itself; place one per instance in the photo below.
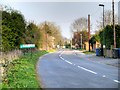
(21, 72)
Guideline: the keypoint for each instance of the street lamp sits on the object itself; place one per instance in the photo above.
(102, 5)
(103, 13)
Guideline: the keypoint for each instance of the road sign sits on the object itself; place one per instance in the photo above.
(27, 46)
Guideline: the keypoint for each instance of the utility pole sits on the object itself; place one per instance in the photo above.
(89, 31)
(114, 24)
(119, 13)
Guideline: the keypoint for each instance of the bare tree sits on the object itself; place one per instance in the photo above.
(79, 25)
(107, 19)
(51, 32)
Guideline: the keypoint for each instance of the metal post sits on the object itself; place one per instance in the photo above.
(89, 31)
(103, 17)
(103, 28)
(103, 46)
(114, 24)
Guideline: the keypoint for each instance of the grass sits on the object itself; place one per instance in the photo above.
(51, 51)
(87, 52)
(22, 72)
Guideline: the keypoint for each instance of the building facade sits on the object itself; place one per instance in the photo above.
(119, 12)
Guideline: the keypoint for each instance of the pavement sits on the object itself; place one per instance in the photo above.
(66, 69)
(99, 59)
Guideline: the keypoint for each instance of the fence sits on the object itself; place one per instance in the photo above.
(108, 53)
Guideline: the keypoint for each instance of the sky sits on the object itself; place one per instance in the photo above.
(63, 13)
(119, 13)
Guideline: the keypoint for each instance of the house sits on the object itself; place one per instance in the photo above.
(96, 45)
(76, 40)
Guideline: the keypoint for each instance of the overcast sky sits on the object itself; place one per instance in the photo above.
(62, 13)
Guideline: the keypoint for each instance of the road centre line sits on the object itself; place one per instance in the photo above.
(68, 62)
(78, 66)
(116, 81)
(62, 58)
(103, 76)
(60, 55)
(85, 68)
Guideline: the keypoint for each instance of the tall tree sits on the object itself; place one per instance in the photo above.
(13, 27)
(79, 25)
(95, 38)
(52, 31)
(77, 37)
(32, 34)
(109, 36)
(107, 19)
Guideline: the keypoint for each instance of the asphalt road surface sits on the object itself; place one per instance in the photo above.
(64, 69)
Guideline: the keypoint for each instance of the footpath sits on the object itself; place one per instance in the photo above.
(98, 59)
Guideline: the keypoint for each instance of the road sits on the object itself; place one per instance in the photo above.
(64, 69)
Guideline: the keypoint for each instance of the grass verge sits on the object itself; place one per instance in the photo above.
(87, 52)
(51, 51)
(22, 72)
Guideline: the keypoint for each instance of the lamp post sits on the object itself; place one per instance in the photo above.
(103, 25)
(102, 5)
(103, 46)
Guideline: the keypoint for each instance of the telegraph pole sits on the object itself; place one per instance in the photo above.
(89, 31)
(114, 24)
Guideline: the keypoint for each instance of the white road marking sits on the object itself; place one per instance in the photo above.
(60, 55)
(84, 68)
(117, 81)
(103, 76)
(68, 62)
(87, 70)
(65, 60)
(62, 58)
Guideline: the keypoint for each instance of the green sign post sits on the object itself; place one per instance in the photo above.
(27, 46)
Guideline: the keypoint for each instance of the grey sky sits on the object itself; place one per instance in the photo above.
(62, 13)
(119, 13)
